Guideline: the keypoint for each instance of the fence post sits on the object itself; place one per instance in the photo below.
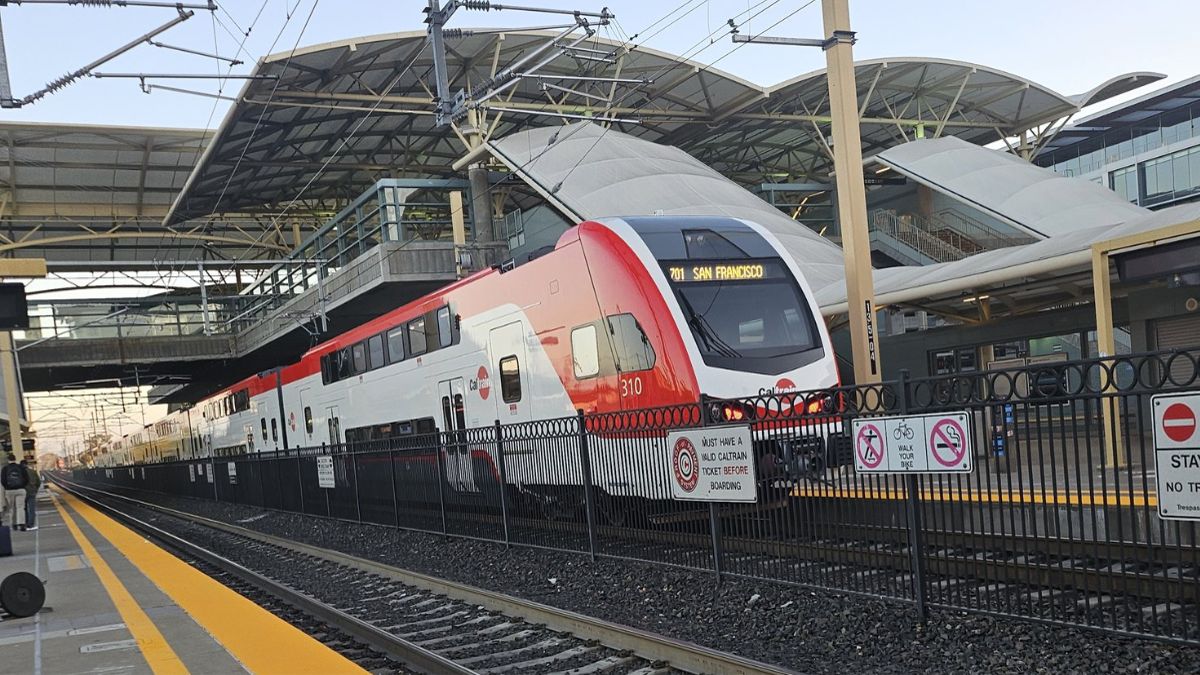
(588, 499)
(915, 540)
(262, 488)
(300, 481)
(357, 495)
(395, 498)
(714, 519)
(441, 478)
(503, 480)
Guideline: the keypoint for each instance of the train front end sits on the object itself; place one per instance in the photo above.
(760, 351)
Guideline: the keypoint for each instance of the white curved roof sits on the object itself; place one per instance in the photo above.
(286, 133)
(1030, 198)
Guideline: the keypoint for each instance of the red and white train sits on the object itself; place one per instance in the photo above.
(623, 313)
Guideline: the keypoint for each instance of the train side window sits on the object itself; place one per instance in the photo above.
(325, 369)
(395, 344)
(375, 357)
(274, 430)
(630, 344)
(343, 363)
(445, 336)
(358, 355)
(584, 355)
(510, 379)
(264, 427)
(416, 337)
(460, 414)
(308, 419)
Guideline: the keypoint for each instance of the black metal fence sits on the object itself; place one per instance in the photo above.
(1057, 521)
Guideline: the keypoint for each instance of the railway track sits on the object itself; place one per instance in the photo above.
(427, 624)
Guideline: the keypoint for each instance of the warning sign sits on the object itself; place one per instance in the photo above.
(713, 464)
(1177, 455)
(192, 472)
(325, 471)
(232, 467)
(935, 443)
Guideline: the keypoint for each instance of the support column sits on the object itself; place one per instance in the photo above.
(1106, 347)
(851, 192)
(12, 391)
(481, 203)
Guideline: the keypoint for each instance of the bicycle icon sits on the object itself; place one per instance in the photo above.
(903, 430)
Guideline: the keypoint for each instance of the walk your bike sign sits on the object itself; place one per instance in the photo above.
(936, 443)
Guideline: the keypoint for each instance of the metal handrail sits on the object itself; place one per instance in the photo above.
(911, 233)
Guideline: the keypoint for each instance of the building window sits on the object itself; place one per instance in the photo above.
(510, 379)
(584, 354)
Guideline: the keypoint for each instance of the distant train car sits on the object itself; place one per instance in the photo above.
(622, 314)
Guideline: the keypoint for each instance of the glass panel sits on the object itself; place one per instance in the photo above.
(375, 358)
(634, 352)
(308, 419)
(395, 344)
(274, 430)
(445, 335)
(584, 354)
(510, 379)
(416, 336)
(359, 355)
(1179, 166)
(264, 428)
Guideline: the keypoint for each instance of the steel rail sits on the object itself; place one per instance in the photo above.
(679, 654)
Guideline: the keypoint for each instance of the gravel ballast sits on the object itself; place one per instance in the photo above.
(809, 631)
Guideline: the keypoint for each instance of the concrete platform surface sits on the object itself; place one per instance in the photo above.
(115, 603)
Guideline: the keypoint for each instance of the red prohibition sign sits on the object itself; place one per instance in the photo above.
(869, 445)
(1179, 422)
(948, 435)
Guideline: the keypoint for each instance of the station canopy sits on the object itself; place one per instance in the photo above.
(329, 120)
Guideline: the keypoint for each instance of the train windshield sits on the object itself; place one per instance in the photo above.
(746, 314)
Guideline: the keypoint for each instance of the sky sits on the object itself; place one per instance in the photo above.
(1067, 45)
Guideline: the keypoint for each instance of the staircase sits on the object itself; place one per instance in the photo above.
(914, 240)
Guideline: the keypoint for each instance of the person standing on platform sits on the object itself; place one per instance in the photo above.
(33, 484)
(13, 479)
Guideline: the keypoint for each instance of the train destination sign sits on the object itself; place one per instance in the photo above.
(1177, 454)
(712, 464)
(934, 443)
(693, 271)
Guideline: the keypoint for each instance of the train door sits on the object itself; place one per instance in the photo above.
(335, 426)
(456, 452)
(510, 363)
(307, 421)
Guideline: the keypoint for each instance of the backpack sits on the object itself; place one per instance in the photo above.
(13, 477)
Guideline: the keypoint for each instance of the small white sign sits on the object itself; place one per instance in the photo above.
(713, 464)
(325, 471)
(934, 443)
(1177, 455)
(232, 472)
(192, 472)
(212, 473)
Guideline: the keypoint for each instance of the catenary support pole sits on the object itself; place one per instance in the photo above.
(852, 197)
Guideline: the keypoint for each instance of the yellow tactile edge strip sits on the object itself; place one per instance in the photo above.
(154, 647)
(261, 641)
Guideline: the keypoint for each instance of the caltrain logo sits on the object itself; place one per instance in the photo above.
(481, 383)
(685, 461)
(781, 386)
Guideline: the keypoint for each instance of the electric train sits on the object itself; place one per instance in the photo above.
(621, 314)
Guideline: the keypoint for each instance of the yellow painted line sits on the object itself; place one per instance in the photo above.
(154, 647)
(261, 641)
(1056, 497)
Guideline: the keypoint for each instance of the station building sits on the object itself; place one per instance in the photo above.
(296, 219)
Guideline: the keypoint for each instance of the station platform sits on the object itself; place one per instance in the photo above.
(116, 603)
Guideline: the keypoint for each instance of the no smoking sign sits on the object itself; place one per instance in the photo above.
(934, 443)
